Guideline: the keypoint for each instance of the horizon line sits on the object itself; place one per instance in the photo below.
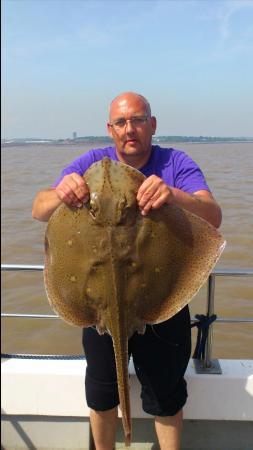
(106, 137)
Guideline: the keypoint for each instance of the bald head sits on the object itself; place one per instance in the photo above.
(131, 126)
(126, 97)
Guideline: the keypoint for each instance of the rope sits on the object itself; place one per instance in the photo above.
(58, 357)
(203, 325)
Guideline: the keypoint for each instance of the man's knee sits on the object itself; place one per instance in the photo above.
(101, 396)
(113, 412)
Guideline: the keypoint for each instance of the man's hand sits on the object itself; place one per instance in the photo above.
(153, 193)
(73, 190)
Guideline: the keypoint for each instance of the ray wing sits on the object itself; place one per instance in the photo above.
(176, 252)
(71, 264)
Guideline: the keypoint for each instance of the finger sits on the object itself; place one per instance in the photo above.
(81, 193)
(73, 189)
(161, 200)
(86, 198)
(77, 184)
(145, 208)
(78, 179)
(147, 195)
(158, 199)
(146, 185)
(67, 198)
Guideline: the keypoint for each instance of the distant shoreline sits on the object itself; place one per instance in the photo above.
(108, 140)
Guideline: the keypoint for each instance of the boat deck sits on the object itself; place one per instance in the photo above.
(47, 408)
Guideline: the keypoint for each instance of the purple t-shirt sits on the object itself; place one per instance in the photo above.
(173, 166)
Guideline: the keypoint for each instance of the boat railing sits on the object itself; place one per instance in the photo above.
(203, 363)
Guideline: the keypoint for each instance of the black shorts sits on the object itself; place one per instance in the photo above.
(160, 359)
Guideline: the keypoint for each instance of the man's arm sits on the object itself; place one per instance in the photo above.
(72, 190)
(200, 203)
(45, 203)
(153, 193)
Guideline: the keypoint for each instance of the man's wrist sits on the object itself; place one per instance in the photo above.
(172, 196)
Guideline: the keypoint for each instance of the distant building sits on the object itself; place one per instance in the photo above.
(74, 135)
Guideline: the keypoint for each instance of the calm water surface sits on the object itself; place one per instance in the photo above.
(27, 169)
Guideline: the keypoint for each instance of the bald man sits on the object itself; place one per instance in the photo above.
(174, 178)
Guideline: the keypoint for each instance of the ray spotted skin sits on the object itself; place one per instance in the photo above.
(108, 265)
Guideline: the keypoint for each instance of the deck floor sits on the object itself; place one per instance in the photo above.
(21, 433)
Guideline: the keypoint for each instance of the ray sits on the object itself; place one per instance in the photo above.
(109, 266)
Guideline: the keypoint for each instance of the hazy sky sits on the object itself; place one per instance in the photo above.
(64, 60)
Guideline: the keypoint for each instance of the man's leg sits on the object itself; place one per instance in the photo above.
(101, 387)
(103, 425)
(160, 357)
(168, 430)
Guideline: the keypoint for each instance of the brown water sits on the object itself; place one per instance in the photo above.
(28, 169)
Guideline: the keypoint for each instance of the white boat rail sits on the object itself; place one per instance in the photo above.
(204, 364)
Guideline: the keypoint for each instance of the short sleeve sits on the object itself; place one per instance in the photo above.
(83, 162)
(79, 165)
(188, 175)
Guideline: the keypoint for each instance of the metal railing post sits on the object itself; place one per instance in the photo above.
(210, 311)
(208, 365)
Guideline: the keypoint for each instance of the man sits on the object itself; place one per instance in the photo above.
(161, 355)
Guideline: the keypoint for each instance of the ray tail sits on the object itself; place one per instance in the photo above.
(118, 330)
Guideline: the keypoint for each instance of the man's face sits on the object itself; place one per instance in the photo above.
(131, 128)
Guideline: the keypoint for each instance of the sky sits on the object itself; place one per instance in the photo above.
(63, 61)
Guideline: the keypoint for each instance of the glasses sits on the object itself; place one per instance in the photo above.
(136, 121)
